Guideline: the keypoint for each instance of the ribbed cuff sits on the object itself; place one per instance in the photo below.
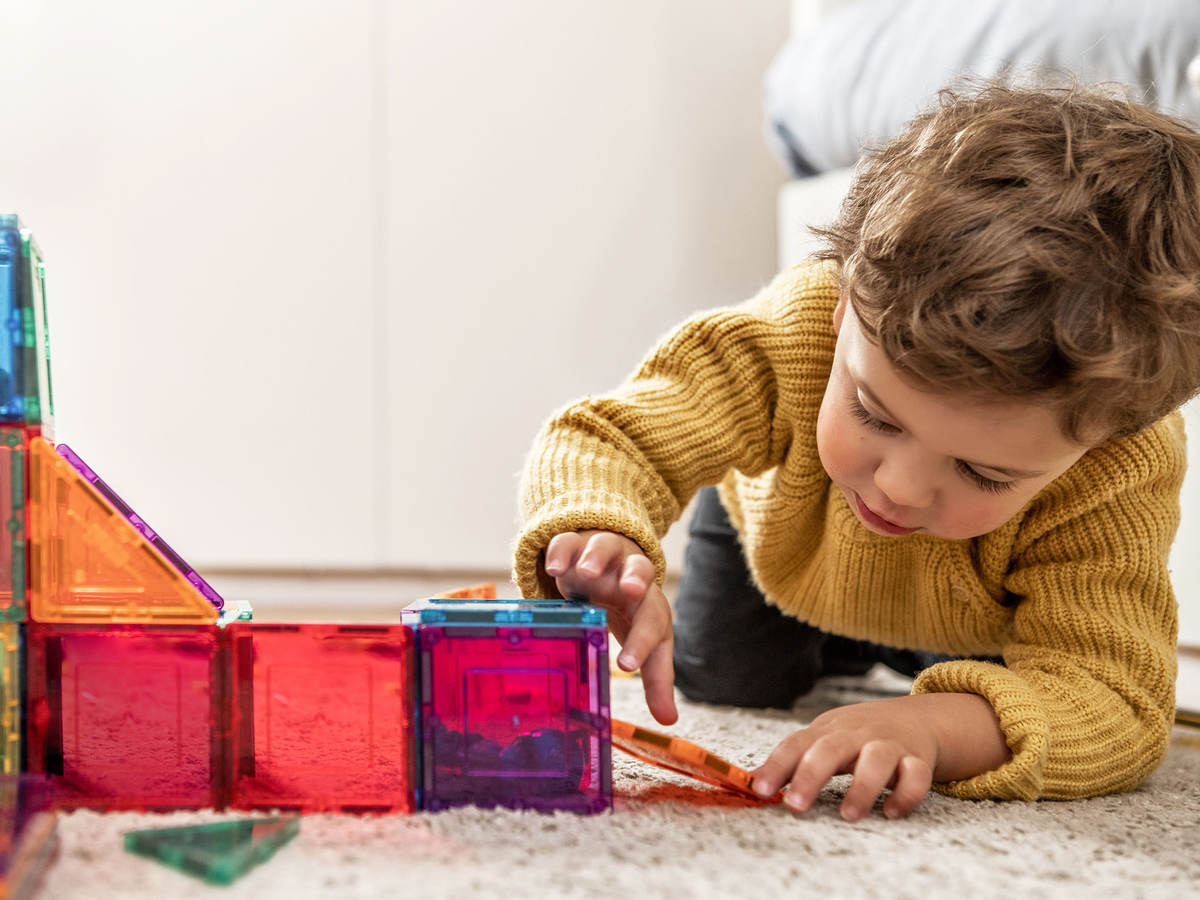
(1022, 718)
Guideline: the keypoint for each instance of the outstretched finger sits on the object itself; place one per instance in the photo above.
(650, 628)
(658, 681)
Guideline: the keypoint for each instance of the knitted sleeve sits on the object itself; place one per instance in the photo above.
(704, 401)
(1086, 695)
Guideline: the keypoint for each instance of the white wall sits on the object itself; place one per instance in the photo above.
(317, 271)
(1185, 560)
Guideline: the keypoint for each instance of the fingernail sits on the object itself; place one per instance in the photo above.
(554, 568)
(794, 800)
(761, 787)
(588, 567)
(852, 815)
(627, 662)
(891, 812)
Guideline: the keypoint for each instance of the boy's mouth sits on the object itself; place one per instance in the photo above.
(878, 523)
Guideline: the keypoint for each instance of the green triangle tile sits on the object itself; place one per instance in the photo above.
(220, 852)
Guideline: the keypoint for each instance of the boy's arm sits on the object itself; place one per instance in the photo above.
(1086, 696)
(708, 399)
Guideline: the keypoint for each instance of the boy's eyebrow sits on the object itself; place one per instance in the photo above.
(1003, 470)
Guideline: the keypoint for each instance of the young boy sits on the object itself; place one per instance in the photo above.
(952, 438)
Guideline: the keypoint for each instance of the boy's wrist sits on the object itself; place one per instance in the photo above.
(970, 740)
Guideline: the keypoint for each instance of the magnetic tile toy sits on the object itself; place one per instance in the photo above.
(514, 705)
(141, 526)
(88, 563)
(323, 717)
(127, 716)
(218, 852)
(14, 451)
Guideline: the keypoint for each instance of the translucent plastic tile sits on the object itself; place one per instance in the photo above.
(141, 526)
(483, 591)
(322, 717)
(14, 451)
(28, 834)
(456, 611)
(219, 852)
(15, 355)
(515, 716)
(88, 563)
(684, 757)
(127, 716)
(38, 390)
(10, 698)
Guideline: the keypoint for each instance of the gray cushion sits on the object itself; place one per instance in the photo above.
(870, 66)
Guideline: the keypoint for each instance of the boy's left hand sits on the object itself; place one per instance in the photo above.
(901, 743)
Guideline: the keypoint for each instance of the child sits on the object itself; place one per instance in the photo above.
(952, 438)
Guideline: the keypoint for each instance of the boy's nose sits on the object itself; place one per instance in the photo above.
(904, 482)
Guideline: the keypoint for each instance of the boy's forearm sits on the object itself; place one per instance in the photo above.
(970, 741)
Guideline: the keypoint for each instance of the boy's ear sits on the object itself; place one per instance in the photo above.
(839, 313)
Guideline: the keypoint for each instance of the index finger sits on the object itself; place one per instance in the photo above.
(658, 682)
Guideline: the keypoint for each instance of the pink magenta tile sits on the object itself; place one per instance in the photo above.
(126, 716)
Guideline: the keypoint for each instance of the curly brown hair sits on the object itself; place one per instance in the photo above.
(1038, 245)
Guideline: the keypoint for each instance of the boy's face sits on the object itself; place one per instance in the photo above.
(910, 460)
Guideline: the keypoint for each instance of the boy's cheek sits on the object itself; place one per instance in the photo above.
(841, 453)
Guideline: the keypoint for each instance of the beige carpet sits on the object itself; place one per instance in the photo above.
(669, 837)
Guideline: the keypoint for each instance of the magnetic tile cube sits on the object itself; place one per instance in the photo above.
(323, 717)
(10, 698)
(219, 852)
(127, 716)
(514, 705)
(14, 451)
(88, 563)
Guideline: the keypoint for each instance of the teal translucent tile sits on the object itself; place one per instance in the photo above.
(25, 390)
(451, 611)
(38, 388)
(218, 853)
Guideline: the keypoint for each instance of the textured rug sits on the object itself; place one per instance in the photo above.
(669, 836)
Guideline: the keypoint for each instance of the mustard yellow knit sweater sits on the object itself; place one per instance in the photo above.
(1073, 592)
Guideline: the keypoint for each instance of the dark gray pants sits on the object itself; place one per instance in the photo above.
(732, 647)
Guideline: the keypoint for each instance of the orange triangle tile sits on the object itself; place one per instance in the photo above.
(88, 564)
(485, 591)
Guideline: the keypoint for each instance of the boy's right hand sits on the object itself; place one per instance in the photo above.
(611, 571)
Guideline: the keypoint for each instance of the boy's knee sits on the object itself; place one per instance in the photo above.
(747, 679)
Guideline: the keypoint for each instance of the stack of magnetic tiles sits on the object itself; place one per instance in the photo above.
(142, 688)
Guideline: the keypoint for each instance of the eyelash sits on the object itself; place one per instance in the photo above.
(984, 484)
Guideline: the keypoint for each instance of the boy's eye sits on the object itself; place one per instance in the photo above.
(983, 483)
(860, 412)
